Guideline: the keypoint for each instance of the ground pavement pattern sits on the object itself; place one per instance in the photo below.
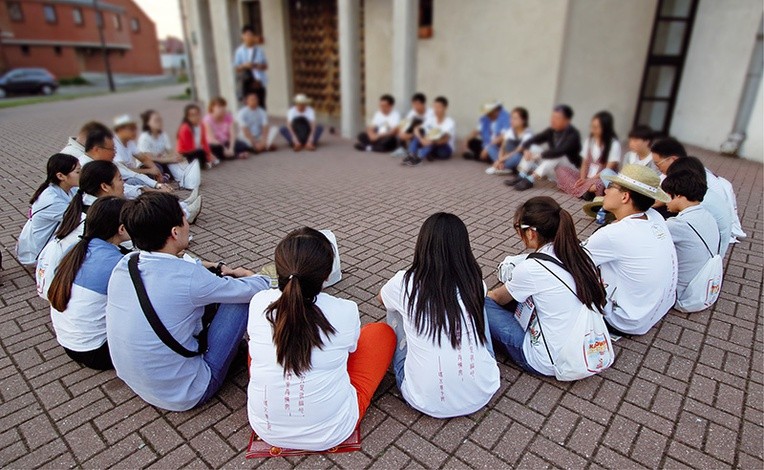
(688, 393)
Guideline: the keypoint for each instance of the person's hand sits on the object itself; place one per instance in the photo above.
(259, 146)
(228, 152)
(164, 188)
(153, 170)
(237, 272)
(297, 147)
(497, 140)
(310, 146)
(179, 158)
(527, 155)
(499, 165)
(579, 182)
(484, 154)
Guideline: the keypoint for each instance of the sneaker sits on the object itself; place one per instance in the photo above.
(193, 196)
(493, 171)
(514, 181)
(412, 161)
(400, 152)
(523, 185)
(194, 209)
(468, 156)
(359, 146)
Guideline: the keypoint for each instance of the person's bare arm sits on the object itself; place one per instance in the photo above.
(500, 295)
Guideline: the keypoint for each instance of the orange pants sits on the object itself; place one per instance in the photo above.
(368, 364)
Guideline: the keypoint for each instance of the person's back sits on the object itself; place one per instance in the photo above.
(715, 201)
(691, 250)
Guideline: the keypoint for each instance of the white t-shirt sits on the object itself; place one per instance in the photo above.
(717, 203)
(690, 251)
(631, 158)
(556, 307)
(441, 381)
(412, 114)
(614, 156)
(385, 122)
(447, 126)
(308, 114)
(639, 268)
(155, 146)
(317, 411)
(124, 154)
(510, 134)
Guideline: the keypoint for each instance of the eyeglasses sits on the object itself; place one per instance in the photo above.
(662, 161)
(616, 186)
(110, 149)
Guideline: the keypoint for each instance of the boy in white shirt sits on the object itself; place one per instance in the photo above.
(414, 119)
(639, 153)
(436, 138)
(635, 253)
(301, 130)
(382, 133)
(126, 149)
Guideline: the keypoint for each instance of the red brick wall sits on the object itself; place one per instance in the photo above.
(64, 66)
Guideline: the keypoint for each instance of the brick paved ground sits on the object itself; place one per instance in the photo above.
(689, 393)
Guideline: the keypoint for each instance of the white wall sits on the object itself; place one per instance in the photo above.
(605, 50)
(279, 54)
(712, 82)
(378, 37)
(753, 147)
(199, 29)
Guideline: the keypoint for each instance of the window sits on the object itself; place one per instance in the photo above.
(57, 50)
(117, 22)
(25, 50)
(135, 25)
(49, 12)
(77, 17)
(253, 16)
(425, 19)
(99, 19)
(14, 11)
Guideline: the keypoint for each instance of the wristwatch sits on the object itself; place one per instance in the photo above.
(219, 268)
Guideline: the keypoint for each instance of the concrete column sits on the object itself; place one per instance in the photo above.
(350, 66)
(199, 30)
(221, 13)
(404, 49)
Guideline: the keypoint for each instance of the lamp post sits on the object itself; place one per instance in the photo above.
(100, 22)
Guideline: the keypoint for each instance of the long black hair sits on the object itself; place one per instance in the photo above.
(554, 224)
(186, 109)
(103, 223)
(444, 271)
(145, 118)
(93, 175)
(57, 163)
(607, 125)
(303, 262)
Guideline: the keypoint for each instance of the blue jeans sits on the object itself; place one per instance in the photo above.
(493, 152)
(395, 320)
(302, 134)
(506, 332)
(223, 337)
(438, 151)
(513, 161)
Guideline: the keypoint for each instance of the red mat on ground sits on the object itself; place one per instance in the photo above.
(258, 448)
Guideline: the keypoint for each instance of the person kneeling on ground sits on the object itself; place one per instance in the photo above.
(484, 142)
(173, 326)
(253, 125)
(382, 133)
(444, 365)
(314, 369)
(635, 253)
(435, 139)
(78, 292)
(301, 130)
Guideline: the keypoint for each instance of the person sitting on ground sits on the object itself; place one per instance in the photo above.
(601, 155)
(156, 143)
(639, 153)
(126, 150)
(635, 253)
(444, 365)
(314, 369)
(163, 344)
(382, 133)
(693, 230)
(564, 148)
(415, 118)
(484, 142)
(192, 138)
(301, 130)
(220, 131)
(253, 125)
(517, 134)
(75, 146)
(558, 291)
(78, 292)
(436, 138)
(48, 204)
(97, 179)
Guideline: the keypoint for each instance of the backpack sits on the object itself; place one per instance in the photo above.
(705, 287)
(24, 252)
(51, 256)
(588, 349)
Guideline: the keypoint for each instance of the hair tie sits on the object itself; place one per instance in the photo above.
(293, 275)
(86, 238)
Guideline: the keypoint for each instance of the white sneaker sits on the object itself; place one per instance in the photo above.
(400, 152)
(194, 209)
(493, 171)
(194, 195)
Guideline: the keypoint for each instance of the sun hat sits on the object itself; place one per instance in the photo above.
(301, 98)
(488, 107)
(123, 120)
(592, 207)
(640, 179)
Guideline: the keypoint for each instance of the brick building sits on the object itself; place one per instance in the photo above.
(62, 36)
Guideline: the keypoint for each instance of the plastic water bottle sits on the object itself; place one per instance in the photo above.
(601, 214)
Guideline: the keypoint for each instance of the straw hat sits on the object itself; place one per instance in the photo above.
(488, 107)
(592, 207)
(302, 98)
(640, 179)
(123, 120)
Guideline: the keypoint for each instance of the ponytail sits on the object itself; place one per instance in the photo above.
(57, 163)
(72, 216)
(303, 262)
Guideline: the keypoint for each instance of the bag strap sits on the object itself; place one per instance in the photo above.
(151, 314)
(704, 242)
(552, 259)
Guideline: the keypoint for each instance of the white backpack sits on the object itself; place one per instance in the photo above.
(51, 256)
(588, 350)
(704, 289)
(336, 275)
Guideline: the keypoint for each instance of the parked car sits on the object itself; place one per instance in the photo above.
(27, 81)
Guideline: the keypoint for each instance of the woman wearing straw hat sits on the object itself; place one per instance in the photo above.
(301, 130)
(635, 253)
(484, 142)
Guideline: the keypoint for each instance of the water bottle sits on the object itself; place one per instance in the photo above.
(600, 220)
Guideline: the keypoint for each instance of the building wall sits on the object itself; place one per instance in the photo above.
(753, 147)
(199, 30)
(143, 57)
(603, 59)
(712, 83)
(277, 50)
(378, 38)
(68, 64)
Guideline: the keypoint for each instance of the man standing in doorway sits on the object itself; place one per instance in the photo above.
(251, 64)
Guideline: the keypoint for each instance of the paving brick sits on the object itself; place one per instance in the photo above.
(649, 448)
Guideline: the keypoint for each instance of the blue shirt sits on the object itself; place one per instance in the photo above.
(96, 269)
(490, 129)
(255, 55)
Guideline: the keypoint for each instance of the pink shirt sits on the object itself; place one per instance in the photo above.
(221, 130)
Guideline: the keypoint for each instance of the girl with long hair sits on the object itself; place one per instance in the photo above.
(601, 155)
(78, 292)
(154, 141)
(557, 283)
(192, 138)
(514, 137)
(314, 369)
(444, 364)
(48, 203)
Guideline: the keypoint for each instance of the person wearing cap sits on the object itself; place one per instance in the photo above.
(484, 142)
(301, 130)
(635, 254)
(564, 148)
(126, 150)
(381, 134)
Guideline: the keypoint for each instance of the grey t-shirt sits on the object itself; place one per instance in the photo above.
(252, 119)
(690, 251)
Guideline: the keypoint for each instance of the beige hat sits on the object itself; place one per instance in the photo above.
(123, 120)
(302, 98)
(592, 207)
(640, 179)
(488, 107)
